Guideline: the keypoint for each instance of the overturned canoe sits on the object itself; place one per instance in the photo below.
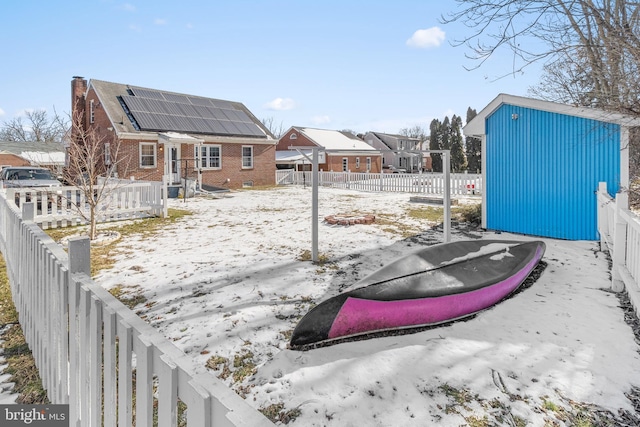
(437, 284)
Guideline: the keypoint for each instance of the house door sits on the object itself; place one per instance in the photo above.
(174, 165)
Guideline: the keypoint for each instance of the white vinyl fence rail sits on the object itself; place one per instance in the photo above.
(94, 353)
(619, 230)
(67, 206)
(428, 182)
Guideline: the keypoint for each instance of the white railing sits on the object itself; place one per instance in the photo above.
(428, 183)
(67, 206)
(619, 230)
(94, 353)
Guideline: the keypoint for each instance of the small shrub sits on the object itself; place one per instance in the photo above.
(471, 214)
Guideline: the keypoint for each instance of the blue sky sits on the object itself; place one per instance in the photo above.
(361, 65)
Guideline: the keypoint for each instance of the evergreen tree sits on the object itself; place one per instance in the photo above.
(458, 161)
(435, 139)
(473, 148)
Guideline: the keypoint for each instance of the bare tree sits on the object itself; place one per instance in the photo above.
(276, 129)
(92, 156)
(38, 126)
(415, 132)
(590, 49)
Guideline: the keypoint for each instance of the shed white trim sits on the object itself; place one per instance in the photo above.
(476, 126)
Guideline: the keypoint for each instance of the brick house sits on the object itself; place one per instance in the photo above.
(343, 151)
(218, 143)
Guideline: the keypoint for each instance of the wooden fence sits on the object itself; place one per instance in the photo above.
(67, 206)
(428, 183)
(619, 230)
(94, 353)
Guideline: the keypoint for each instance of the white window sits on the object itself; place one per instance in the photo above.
(209, 156)
(107, 153)
(357, 162)
(293, 136)
(345, 164)
(368, 164)
(91, 112)
(147, 155)
(247, 157)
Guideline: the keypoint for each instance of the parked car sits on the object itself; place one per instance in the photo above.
(393, 169)
(32, 178)
(28, 177)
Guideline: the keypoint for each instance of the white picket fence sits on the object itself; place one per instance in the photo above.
(428, 182)
(95, 354)
(619, 230)
(67, 206)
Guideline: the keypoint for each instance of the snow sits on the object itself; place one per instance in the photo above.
(234, 278)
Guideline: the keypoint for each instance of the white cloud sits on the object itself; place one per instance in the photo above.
(424, 39)
(1, 112)
(160, 21)
(320, 120)
(135, 28)
(281, 104)
(189, 26)
(128, 7)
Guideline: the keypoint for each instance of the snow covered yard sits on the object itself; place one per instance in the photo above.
(229, 283)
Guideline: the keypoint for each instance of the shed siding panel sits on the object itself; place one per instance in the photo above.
(543, 170)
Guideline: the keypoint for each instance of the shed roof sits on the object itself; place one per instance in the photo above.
(476, 126)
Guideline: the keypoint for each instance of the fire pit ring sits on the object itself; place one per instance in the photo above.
(350, 219)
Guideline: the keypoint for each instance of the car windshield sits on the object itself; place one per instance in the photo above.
(31, 174)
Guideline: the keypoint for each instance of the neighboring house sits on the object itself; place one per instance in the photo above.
(342, 151)
(400, 147)
(219, 143)
(542, 162)
(50, 155)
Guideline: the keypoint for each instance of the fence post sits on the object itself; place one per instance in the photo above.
(165, 198)
(80, 255)
(619, 243)
(28, 211)
(79, 262)
(601, 212)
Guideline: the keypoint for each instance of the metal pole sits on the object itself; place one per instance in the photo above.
(314, 206)
(446, 166)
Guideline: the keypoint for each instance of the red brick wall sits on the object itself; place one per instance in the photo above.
(285, 141)
(12, 160)
(262, 173)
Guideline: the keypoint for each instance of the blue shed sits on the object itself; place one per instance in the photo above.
(542, 162)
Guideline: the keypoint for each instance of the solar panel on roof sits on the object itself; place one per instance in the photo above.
(188, 110)
(206, 112)
(147, 93)
(172, 97)
(190, 114)
(243, 117)
(229, 128)
(218, 114)
(195, 100)
(218, 103)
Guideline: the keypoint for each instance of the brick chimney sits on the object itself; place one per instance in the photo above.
(78, 104)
